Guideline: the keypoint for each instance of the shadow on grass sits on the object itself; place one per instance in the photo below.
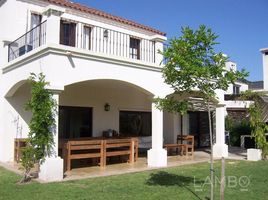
(167, 179)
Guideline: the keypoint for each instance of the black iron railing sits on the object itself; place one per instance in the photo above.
(116, 43)
(29, 41)
(93, 38)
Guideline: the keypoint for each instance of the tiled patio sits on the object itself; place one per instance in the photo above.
(140, 165)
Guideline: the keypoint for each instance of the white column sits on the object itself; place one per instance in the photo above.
(159, 40)
(185, 124)
(56, 129)
(157, 156)
(53, 26)
(220, 149)
(158, 47)
(52, 168)
(176, 127)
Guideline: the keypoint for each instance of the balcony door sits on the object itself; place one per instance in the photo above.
(199, 127)
(67, 33)
(134, 48)
(75, 122)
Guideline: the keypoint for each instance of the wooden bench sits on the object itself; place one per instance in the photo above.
(121, 147)
(19, 145)
(81, 150)
(100, 149)
(181, 147)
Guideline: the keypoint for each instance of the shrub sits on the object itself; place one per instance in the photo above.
(238, 129)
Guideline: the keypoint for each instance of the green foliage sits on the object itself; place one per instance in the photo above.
(172, 105)
(27, 161)
(193, 64)
(237, 130)
(42, 124)
(258, 126)
(42, 106)
(228, 123)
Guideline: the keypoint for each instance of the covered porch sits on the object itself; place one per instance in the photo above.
(113, 109)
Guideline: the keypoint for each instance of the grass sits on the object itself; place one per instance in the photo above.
(173, 183)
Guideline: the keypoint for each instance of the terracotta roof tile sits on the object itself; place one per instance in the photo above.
(93, 11)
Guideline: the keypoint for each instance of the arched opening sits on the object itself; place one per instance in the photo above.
(92, 108)
(18, 116)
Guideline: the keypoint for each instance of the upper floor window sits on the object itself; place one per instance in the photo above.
(35, 20)
(236, 89)
(33, 40)
(134, 48)
(86, 43)
(67, 33)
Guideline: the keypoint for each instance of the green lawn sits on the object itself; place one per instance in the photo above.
(173, 183)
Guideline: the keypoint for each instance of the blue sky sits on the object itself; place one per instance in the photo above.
(242, 25)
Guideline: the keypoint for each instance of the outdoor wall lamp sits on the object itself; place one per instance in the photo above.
(107, 107)
(105, 34)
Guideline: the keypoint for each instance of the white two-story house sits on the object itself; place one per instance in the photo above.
(103, 70)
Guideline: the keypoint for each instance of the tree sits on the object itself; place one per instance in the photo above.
(40, 138)
(193, 64)
(257, 111)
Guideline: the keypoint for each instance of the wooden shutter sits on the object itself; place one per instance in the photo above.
(138, 49)
(72, 34)
(61, 32)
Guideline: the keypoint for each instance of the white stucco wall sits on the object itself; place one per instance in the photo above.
(64, 66)
(15, 15)
(95, 94)
(62, 70)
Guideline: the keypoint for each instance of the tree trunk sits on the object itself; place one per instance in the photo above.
(222, 178)
(211, 155)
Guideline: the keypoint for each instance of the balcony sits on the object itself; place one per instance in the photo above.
(92, 38)
(34, 38)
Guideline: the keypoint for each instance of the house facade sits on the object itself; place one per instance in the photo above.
(103, 70)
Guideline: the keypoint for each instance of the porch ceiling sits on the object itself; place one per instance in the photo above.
(109, 84)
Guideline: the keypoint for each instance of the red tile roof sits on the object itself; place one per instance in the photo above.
(93, 11)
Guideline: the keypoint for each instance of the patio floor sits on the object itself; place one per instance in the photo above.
(140, 165)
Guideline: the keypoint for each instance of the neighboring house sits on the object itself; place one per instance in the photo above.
(236, 109)
(103, 70)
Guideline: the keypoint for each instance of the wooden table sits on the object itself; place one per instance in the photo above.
(182, 148)
(188, 140)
